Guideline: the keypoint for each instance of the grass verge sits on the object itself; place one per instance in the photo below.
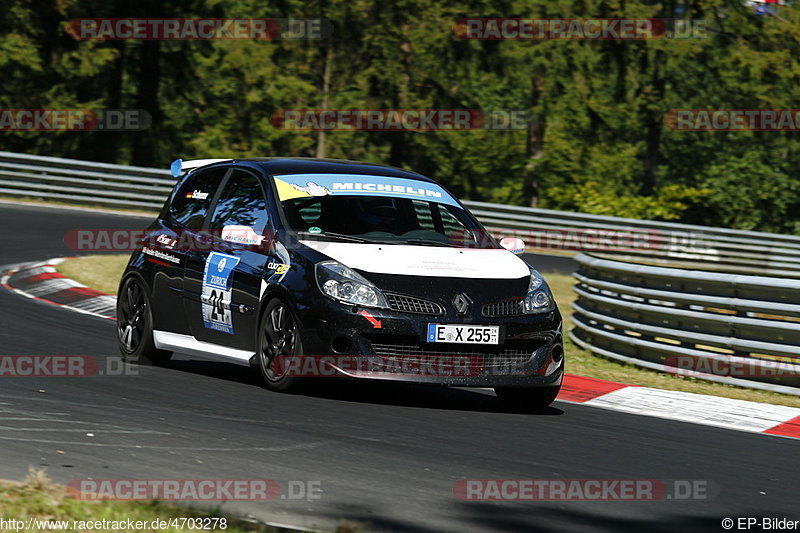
(103, 273)
(39, 500)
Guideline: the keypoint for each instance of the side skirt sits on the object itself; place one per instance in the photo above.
(187, 344)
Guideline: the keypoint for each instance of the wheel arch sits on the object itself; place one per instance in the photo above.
(273, 291)
(133, 272)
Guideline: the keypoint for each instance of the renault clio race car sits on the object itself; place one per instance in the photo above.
(308, 268)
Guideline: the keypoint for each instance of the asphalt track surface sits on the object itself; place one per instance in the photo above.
(385, 455)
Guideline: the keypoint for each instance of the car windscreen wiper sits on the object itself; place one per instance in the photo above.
(427, 242)
(355, 238)
(334, 235)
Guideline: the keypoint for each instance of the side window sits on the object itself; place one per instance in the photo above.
(423, 211)
(190, 205)
(242, 203)
(450, 223)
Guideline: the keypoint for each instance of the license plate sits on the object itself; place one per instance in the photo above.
(463, 334)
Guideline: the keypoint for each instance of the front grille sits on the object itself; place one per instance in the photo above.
(515, 352)
(508, 307)
(411, 304)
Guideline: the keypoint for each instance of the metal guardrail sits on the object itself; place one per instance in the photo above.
(667, 319)
(74, 180)
(700, 247)
(740, 330)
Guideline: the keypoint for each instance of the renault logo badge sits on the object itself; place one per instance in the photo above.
(461, 302)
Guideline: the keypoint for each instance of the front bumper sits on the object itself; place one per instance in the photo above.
(384, 344)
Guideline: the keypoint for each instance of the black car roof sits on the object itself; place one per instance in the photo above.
(301, 165)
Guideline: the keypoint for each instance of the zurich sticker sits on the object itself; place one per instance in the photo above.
(216, 292)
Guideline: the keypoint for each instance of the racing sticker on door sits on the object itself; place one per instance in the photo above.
(216, 292)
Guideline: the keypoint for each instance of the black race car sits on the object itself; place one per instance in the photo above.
(324, 268)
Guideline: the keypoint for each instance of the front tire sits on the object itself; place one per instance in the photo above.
(278, 340)
(135, 325)
(527, 399)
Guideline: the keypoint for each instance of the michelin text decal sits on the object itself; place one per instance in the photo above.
(308, 185)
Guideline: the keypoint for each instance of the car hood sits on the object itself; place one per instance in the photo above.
(426, 261)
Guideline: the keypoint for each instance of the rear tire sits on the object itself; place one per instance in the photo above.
(278, 337)
(527, 399)
(135, 325)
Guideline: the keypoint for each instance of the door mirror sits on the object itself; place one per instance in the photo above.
(514, 245)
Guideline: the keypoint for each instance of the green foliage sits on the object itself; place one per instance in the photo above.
(669, 202)
(596, 140)
(753, 191)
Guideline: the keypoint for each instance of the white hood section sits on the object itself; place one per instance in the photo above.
(424, 260)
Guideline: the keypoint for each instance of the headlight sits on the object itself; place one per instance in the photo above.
(347, 286)
(538, 298)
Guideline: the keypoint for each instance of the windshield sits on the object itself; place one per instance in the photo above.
(325, 209)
